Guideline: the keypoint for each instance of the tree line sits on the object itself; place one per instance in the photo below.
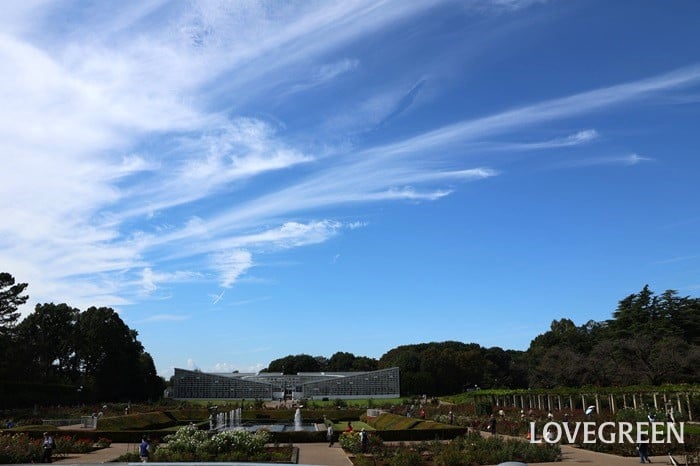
(92, 355)
(650, 340)
(58, 354)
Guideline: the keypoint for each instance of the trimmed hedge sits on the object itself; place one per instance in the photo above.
(153, 421)
(388, 421)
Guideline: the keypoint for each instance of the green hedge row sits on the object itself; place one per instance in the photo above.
(153, 420)
(388, 421)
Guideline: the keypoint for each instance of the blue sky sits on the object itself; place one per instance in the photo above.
(248, 180)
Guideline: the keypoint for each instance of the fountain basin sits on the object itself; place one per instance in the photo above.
(274, 427)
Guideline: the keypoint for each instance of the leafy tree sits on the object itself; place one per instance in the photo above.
(364, 364)
(108, 355)
(683, 314)
(294, 364)
(11, 298)
(322, 362)
(341, 362)
(49, 342)
(504, 368)
(153, 385)
(650, 340)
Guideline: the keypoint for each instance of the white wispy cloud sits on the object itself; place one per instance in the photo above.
(530, 115)
(128, 148)
(579, 138)
(626, 160)
(151, 280)
(323, 74)
(231, 265)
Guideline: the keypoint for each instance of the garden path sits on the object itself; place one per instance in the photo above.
(103, 455)
(321, 454)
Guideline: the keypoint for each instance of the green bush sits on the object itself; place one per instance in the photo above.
(450, 455)
(363, 461)
(350, 441)
(406, 457)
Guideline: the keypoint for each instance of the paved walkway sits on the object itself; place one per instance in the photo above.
(103, 455)
(321, 454)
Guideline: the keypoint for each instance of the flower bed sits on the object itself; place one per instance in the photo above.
(471, 449)
(191, 444)
(21, 448)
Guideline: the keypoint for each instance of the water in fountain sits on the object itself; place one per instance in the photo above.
(297, 420)
(235, 418)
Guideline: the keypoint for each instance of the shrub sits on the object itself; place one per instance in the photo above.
(350, 441)
(19, 448)
(68, 444)
(103, 442)
(406, 457)
(451, 455)
(363, 461)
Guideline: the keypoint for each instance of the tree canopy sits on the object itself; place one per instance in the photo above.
(11, 297)
(91, 355)
(650, 339)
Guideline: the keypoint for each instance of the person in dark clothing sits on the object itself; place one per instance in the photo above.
(492, 425)
(48, 445)
(363, 441)
(144, 448)
(643, 448)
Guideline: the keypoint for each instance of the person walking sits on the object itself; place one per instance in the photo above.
(363, 441)
(48, 445)
(643, 448)
(329, 435)
(144, 448)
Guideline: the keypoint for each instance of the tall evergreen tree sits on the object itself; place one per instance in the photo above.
(11, 298)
